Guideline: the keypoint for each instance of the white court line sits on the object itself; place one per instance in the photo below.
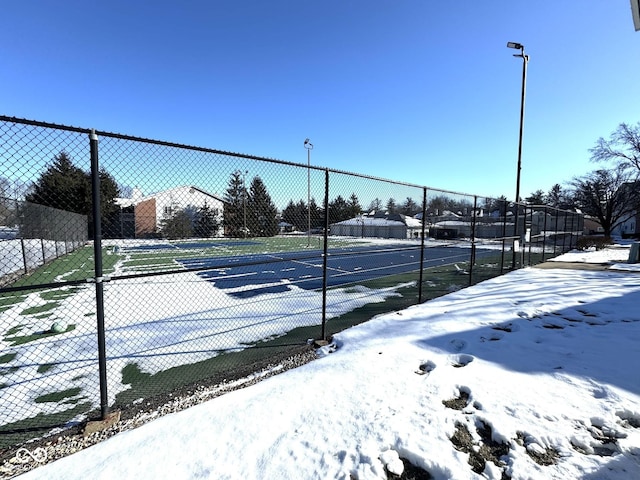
(380, 268)
(237, 275)
(306, 264)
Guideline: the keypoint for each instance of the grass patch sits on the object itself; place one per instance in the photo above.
(24, 430)
(144, 385)
(131, 374)
(76, 265)
(7, 300)
(45, 368)
(7, 357)
(58, 294)
(36, 336)
(14, 330)
(40, 308)
(58, 396)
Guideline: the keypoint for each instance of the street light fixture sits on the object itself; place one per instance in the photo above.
(309, 146)
(525, 61)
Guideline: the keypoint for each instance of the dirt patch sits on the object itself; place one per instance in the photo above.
(411, 472)
(487, 451)
(547, 457)
(457, 403)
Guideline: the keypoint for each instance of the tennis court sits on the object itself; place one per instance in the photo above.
(275, 272)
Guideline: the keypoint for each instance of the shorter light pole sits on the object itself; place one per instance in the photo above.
(244, 201)
(309, 146)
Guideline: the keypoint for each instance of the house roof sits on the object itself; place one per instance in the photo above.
(126, 202)
(389, 220)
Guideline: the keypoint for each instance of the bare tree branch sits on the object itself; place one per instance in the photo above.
(623, 147)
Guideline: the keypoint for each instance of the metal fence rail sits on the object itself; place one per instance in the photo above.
(184, 264)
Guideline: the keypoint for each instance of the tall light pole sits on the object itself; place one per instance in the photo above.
(525, 61)
(244, 201)
(309, 146)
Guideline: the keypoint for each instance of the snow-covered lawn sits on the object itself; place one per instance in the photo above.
(156, 323)
(527, 376)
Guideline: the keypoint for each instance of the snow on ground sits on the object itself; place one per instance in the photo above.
(538, 367)
(615, 256)
(193, 322)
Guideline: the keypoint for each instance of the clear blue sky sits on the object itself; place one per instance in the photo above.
(414, 90)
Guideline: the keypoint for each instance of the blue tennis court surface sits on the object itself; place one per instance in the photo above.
(273, 273)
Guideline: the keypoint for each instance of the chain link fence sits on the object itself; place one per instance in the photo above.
(185, 265)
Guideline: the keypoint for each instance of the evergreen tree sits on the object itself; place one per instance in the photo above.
(556, 196)
(63, 186)
(179, 225)
(234, 211)
(338, 210)
(290, 214)
(353, 206)
(301, 218)
(66, 187)
(261, 211)
(317, 214)
(109, 210)
(536, 198)
(391, 206)
(297, 214)
(206, 223)
(409, 207)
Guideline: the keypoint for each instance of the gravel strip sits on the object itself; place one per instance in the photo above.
(37, 453)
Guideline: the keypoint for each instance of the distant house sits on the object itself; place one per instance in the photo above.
(592, 226)
(629, 227)
(378, 226)
(285, 227)
(142, 215)
(629, 224)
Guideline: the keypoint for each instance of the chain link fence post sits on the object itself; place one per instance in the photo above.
(472, 260)
(97, 257)
(424, 222)
(325, 254)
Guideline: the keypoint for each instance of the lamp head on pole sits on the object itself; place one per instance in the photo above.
(308, 145)
(518, 46)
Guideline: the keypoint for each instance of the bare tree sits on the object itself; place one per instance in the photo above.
(611, 196)
(375, 205)
(623, 147)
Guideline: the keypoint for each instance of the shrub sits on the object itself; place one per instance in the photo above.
(592, 241)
